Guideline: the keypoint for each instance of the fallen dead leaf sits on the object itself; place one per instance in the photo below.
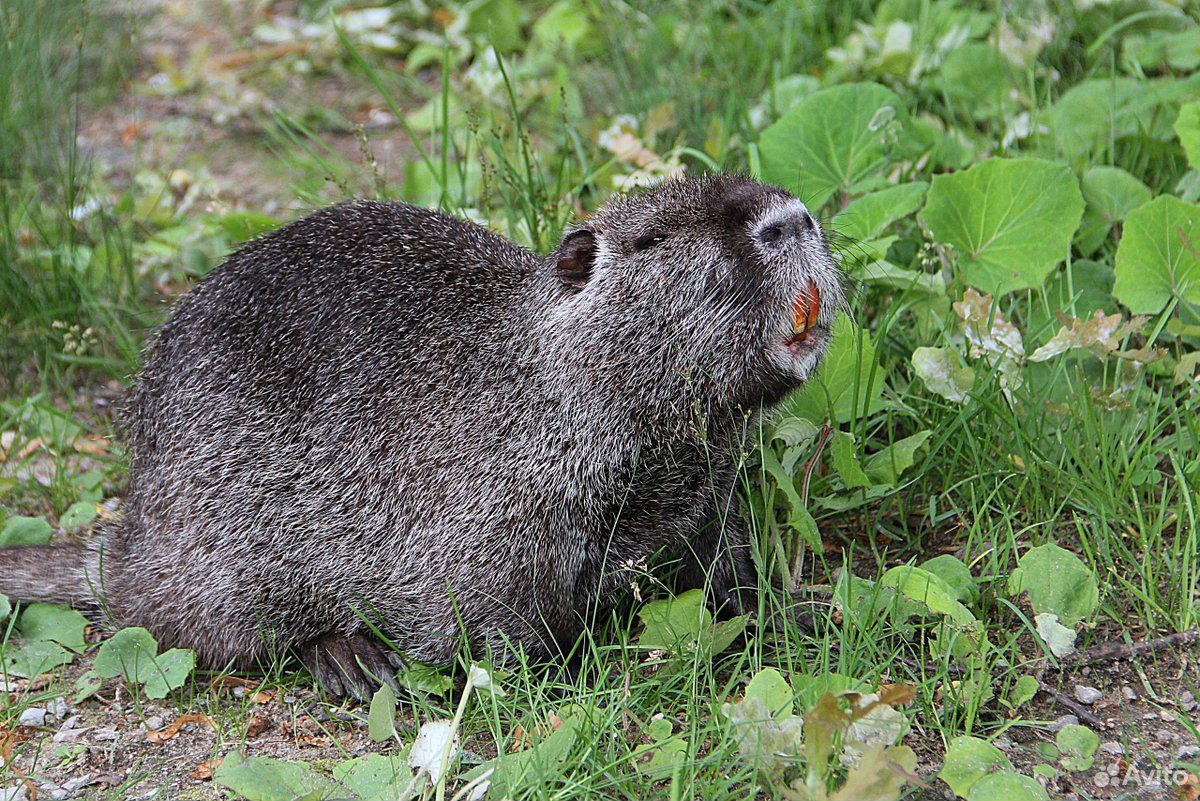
(162, 735)
(91, 444)
(258, 724)
(204, 770)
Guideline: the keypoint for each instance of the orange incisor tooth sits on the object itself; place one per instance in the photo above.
(814, 305)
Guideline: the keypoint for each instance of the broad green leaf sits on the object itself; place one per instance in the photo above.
(52, 622)
(171, 669)
(268, 779)
(78, 515)
(25, 531)
(885, 273)
(867, 217)
(378, 777)
(669, 623)
(1022, 691)
(1091, 114)
(1011, 220)
(1187, 127)
(498, 22)
(1159, 255)
(1110, 194)
(1058, 638)
(848, 383)
(34, 658)
(1157, 50)
(832, 140)
(969, 759)
(425, 679)
(381, 720)
(667, 750)
(565, 22)
(242, 226)
(929, 590)
(845, 462)
(129, 653)
(957, 576)
(770, 687)
(1056, 582)
(944, 373)
(1078, 746)
(1007, 787)
(885, 466)
(810, 688)
(132, 654)
(978, 77)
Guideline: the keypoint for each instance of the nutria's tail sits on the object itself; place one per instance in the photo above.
(65, 574)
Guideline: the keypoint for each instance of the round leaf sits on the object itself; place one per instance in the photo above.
(969, 759)
(51, 622)
(171, 670)
(267, 779)
(955, 574)
(25, 531)
(1057, 583)
(1078, 746)
(1008, 787)
(1159, 255)
(770, 687)
(381, 720)
(1110, 193)
(831, 140)
(129, 653)
(1011, 220)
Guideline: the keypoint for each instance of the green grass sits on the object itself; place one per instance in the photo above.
(1115, 480)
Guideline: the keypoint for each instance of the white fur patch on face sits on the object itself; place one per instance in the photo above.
(780, 211)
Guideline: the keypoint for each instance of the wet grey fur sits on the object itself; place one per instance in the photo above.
(382, 411)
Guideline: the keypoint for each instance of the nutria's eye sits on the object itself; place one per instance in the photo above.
(649, 241)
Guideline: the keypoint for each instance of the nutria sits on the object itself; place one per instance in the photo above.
(380, 419)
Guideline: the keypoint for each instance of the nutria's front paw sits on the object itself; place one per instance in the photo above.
(354, 665)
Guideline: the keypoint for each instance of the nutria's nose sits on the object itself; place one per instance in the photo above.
(780, 229)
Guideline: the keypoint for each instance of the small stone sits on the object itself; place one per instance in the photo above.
(71, 722)
(1087, 695)
(1112, 748)
(33, 716)
(77, 784)
(1165, 716)
(15, 793)
(58, 794)
(70, 735)
(57, 709)
(1187, 701)
(1188, 752)
(1063, 722)
(106, 734)
(153, 723)
(1129, 694)
(1164, 736)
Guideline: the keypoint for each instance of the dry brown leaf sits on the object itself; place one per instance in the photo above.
(258, 724)
(162, 735)
(204, 770)
(91, 444)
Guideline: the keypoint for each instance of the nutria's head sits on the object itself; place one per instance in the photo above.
(721, 279)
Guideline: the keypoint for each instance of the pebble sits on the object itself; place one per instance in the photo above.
(77, 784)
(1129, 694)
(57, 709)
(1187, 701)
(153, 723)
(1063, 722)
(33, 716)
(1112, 748)
(16, 793)
(1188, 752)
(106, 734)
(1166, 716)
(1087, 695)
(1164, 736)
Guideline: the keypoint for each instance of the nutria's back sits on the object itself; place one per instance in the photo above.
(381, 412)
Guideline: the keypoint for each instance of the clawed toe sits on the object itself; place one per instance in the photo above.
(354, 665)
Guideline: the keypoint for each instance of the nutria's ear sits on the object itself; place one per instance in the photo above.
(576, 256)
